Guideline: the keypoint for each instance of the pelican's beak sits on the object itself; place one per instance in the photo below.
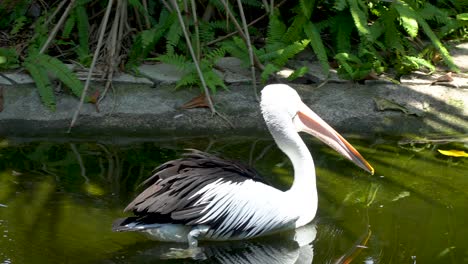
(308, 121)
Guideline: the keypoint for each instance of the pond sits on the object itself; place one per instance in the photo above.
(58, 201)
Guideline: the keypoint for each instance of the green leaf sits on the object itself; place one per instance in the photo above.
(269, 69)
(59, 69)
(298, 73)
(462, 16)
(359, 17)
(40, 77)
(408, 21)
(317, 45)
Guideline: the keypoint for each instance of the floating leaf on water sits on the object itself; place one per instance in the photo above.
(401, 195)
(453, 153)
(94, 189)
(4, 143)
(445, 251)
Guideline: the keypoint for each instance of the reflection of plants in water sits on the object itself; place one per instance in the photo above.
(89, 167)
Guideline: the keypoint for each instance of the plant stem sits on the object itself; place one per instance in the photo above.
(249, 46)
(194, 57)
(93, 63)
(57, 26)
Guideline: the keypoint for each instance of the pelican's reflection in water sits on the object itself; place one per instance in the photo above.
(293, 246)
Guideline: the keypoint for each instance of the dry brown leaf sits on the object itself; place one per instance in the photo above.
(444, 78)
(197, 102)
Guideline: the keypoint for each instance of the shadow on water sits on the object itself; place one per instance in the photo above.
(58, 200)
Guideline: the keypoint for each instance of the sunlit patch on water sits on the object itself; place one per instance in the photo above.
(58, 201)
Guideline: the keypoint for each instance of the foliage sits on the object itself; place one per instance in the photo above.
(41, 67)
(362, 37)
(8, 58)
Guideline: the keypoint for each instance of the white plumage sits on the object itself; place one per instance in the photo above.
(203, 197)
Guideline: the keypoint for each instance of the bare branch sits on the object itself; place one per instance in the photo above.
(93, 63)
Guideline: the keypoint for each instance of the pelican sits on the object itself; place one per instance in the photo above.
(203, 197)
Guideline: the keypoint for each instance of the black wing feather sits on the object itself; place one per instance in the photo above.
(166, 199)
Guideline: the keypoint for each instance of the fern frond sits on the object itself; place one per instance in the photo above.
(180, 61)
(431, 12)
(289, 51)
(173, 37)
(408, 21)
(18, 25)
(82, 23)
(215, 54)
(392, 36)
(419, 62)
(276, 30)
(60, 70)
(294, 32)
(340, 5)
(434, 39)
(359, 17)
(298, 73)
(206, 32)
(237, 48)
(213, 80)
(317, 45)
(269, 69)
(307, 7)
(69, 25)
(188, 80)
(44, 86)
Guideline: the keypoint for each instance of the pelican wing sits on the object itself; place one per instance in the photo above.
(202, 189)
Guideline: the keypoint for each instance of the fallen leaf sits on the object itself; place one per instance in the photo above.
(383, 104)
(1, 98)
(453, 153)
(444, 78)
(197, 102)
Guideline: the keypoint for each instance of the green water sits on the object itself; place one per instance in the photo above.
(58, 201)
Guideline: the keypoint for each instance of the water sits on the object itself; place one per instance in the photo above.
(58, 201)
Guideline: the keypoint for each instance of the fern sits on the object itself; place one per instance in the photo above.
(68, 26)
(402, 8)
(61, 71)
(82, 25)
(269, 69)
(295, 31)
(317, 45)
(8, 59)
(180, 61)
(276, 30)
(146, 40)
(173, 37)
(359, 17)
(307, 7)
(298, 73)
(213, 80)
(44, 86)
(289, 51)
(340, 5)
(408, 21)
(18, 25)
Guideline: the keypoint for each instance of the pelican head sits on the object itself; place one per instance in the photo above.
(285, 114)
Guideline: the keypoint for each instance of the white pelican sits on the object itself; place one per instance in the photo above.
(203, 197)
